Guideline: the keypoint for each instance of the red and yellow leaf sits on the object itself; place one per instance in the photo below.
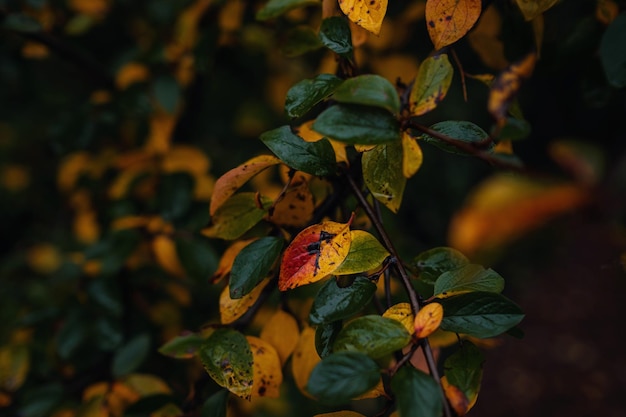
(230, 182)
(449, 20)
(457, 398)
(281, 331)
(428, 320)
(267, 373)
(369, 14)
(232, 309)
(314, 254)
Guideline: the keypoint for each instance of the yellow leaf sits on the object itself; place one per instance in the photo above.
(411, 155)
(72, 167)
(14, 177)
(314, 254)
(232, 309)
(230, 182)
(428, 320)
(168, 410)
(185, 158)
(267, 369)
(369, 14)
(14, 366)
(304, 359)
(35, 50)
(606, 11)
(486, 41)
(310, 135)
(92, 8)
(449, 20)
(162, 125)
(403, 313)
(146, 385)
(86, 227)
(296, 206)
(131, 73)
(377, 391)
(228, 257)
(281, 331)
(533, 8)
(166, 255)
(457, 398)
(343, 413)
(44, 258)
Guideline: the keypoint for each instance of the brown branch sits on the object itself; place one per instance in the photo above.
(458, 64)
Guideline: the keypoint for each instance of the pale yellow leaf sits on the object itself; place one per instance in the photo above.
(403, 313)
(281, 331)
(232, 309)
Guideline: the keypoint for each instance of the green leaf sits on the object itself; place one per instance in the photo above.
(469, 277)
(316, 158)
(130, 356)
(175, 195)
(479, 314)
(105, 293)
(182, 347)
(40, 401)
(436, 261)
(342, 376)
(20, 23)
(72, 334)
(373, 335)
(431, 84)
(197, 256)
(366, 253)
(334, 303)
(301, 40)
(167, 92)
(307, 93)
(370, 90)
(108, 333)
(335, 34)
(382, 173)
(417, 394)
(325, 335)
(355, 124)
(227, 358)
(253, 264)
(236, 216)
(464, 369)
(275, 8)
(613, 53)
(216, 405)
(457, 129)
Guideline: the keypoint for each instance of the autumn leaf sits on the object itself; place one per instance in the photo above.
(281, 331)
(533, 8)
(431, 84)
(314, 254)
(411, 156)
(228, 258)
(368, 14)
(304, 359)
(295, 207)
(427, 320)
(382, 173)
(366, 253)
(449, 20)
(402, 313)
(232, 309)
(266, 368)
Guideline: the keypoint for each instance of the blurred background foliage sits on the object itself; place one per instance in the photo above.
(117, 116)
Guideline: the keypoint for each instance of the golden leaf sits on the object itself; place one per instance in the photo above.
(533, 8)
(281, 331)
(449, 20)
(131, 73)
(166, 255)
(228, 257)
(267, 372)
(304, 359)
(411, 155)
(369, 14)
(232, 309)
(403, 313)
(428, 320)
(296, 206)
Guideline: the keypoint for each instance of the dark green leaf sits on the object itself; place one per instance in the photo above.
(227, 358)
(253, 264)
(72, 334)
(382, 173)
(301, 40)
(236, 216)
(167, 92)
(417, 393)
(613, 52)
(464, 369)
(335, 34)
(370, 90)
(275, 8)
(175, 195)
(20, 23)
(333, 303)
(469, 277)
(342, 376)
(436, 261)
(307, 93)
(197, 256)
(215, 405)
(325, 335)
(182, 347)
(356, 124)
(130, 356)
(105, 293)
(108, 333)
(479, 314)
(40, 401)
(457, 129)
(375, 336)
(316, 158)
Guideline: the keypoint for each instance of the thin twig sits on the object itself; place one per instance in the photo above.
(458, 64)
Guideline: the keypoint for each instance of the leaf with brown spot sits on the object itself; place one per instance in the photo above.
(296, 206)
(232, 309)
(267, 373)
(428, 320)
(431, 84)
(314, 254)
(369, 14)
(402, 313)
(449, 20)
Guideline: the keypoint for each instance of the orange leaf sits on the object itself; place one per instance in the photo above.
(296, 206)
(458, 400)
(428, 320)
(368, 14)
(449, 20)
(227, 184)
(314, 253)
(164, 249)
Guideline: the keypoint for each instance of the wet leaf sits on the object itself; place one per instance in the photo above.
(304, 359)
(469, 277)
(612, 53)
(449, 20)
(231, 181)
(428, 320)
(355, 124)
(253, 264)
(411, 156)
(335, 35)
(227, 357)
(369, 14)
(403, 314)
(281, 331)
(342, 376)
(369, 90)
(417, 394)
(463, 370)
(325, 335)
(182, 347)
(267, 372)
(232, 309)
(431, 84)
(457, 129)
(366, 253)
(434, 262)
(372, 335)
(316, 158)
(382, 173)
(314, 254)
(480, 314)
(275, 8)
(533, 8)
(334, 303)
(307, 93)
(237, 215)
